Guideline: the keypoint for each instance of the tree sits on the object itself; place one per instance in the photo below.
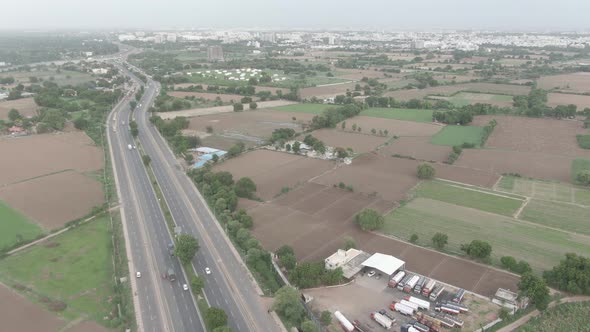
(307, 274)
(287, 303)
(253, 105)
(285, 250)
(238, 107)
(326, 318)
(186, 248)
(222, 329)
(209, 129)
(535, 289)
(197, 284)
(503, 313)
(132, 104)
(477, 249)
(583, 177)
(215, 158)
(425, 171)
(81, 123)
(341, 152)
(354, 127)
(571, 275)
(343, 125)
(134, 129)
(414, 238)
(309, 326)
(288, 261)
(215, 317)
(296, 147)
(439, 240)
(245, 187)
(54, 118)
(193, 141)
(14, 115)
(508, 262)
(349, 243)
(146, 159)
(369, 219)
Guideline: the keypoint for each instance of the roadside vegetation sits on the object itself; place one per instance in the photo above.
(563, 317)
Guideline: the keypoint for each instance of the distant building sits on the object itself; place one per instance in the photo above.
(159, 39)
(16, 130)
(171, 37)
(215, 53)
(349, 260)
(269, 37)
(417, 44)
(331, 40)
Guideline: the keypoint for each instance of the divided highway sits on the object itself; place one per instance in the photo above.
(160, 305)
(230, 285)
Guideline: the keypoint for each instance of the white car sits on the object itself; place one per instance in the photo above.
(372, 273)
(138, 274)
(185, 286)
(207, 270)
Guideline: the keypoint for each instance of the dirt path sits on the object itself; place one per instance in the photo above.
(221, 109)
(535, 313)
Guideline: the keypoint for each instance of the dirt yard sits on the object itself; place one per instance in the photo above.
(226, 98)
(56, 199)
(19, 314)
(555, 99)
(252, 123)
(530, 135)
(359, 142)
(418, 148)
(32, 156)
(26, 107)
(394, 127)
(575, 82)
(272, 171)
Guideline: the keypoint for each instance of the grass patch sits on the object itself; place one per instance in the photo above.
(417, 115)
(506, 183)
(74, 267)
(468, 198)
(568, 217)
(545, 190)
(583, 141)
(457, 135)
(467, 98)
(304, 108)
(563, 317)
(14, 227)
(543, 248)
(579, 165)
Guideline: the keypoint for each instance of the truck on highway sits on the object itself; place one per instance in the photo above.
(171, 275)
(402, 309)
(422, 304)
(411, 283)
(129, 146)
(436, 292)
(382, 320)
(344, 322)
(396, 278)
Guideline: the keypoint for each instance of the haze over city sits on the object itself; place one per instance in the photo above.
(539, 15)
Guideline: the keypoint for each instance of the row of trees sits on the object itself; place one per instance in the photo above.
(171, 130)
(330, 117)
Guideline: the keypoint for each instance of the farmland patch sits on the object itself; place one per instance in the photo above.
(15, 227)
(575, 82)
(568, 217)
(555, 99)
(399, 114)
(359, 142)
(25, 106)
(393, 127)
(457, 135)
(304, 108)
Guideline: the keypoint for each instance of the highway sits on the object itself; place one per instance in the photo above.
(230, 285)
(160, 305)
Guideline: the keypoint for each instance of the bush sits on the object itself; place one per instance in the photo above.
(369, 220)
(245, 187)
(253, 105)
(571, 275)
(477, 249)
(440, 240)
(215, 317)
(238, 107)
(425, 171)
(583, 177)
(414, 238)
(349, 243)
(508, 262)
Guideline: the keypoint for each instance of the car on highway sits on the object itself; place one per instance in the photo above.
(138, 274)
(185, 286)
(207, 270)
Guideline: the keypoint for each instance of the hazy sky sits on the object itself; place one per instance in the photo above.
(394, 14)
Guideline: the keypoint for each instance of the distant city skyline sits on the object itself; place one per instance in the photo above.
(506, 15)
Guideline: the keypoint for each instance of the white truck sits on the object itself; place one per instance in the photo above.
(129, 146)
(407, 303)
(422, 304)
(344, 322)
(382, 320)
(402, 309)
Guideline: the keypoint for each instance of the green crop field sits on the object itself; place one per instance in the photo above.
(466, 98)
(563, 317)
(545, 190)
(74, 267)
(543, 248)
(579, 165)
(583, 141)
(304, 108)
(15, 226)
(469, 197)
(572, 218)
(457, 135)
(399, 114)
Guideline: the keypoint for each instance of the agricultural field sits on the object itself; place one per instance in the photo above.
(567, 217)
(393, 127)
(358, 142)
(226, 98)
(448, 90)
(545, 190)
(73, 268)
(399, 114)
(573, 83)
(543, 248)
(471, 197)
(578, 165)
(563, 317)
(555, 99)
(64, 77)
(15, 227)
(326, 91)
(25, 106)
(418, 148)
(304, 108)
(456, 135)
(468, 98)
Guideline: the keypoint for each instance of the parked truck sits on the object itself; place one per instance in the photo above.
(458, 306)
(402, 309)
(428, 287)
(422, 304)
(419, 326)
(360, 326)
(396, 279)
(408, 328)
(459, 296)
(419, 285)
(411, 283)
(446, 309)
(414, 306)
(344, 322)
(436, 292)
(402, 283)
(171, 249)
(382, 320)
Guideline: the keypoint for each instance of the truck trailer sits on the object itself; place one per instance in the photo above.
(411, 283)
(419, 326)
(436, 292)
(459, 296)
(402, 309)
(382, 320)
(414, 306)
(407, 328)
(446, 309)
(428, 287)
(422, 304)
(458, 306)
(344, 323)
(419, 285)
(396, 279)
(404, 281)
